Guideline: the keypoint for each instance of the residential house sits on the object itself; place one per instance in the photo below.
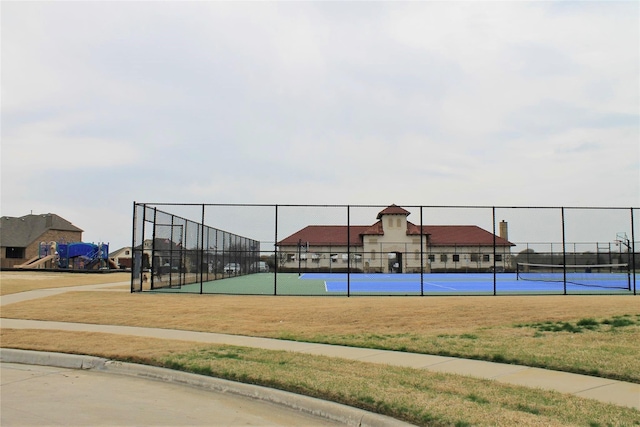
(21, 237)
(122, 257)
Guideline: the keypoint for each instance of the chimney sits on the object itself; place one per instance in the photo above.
(504, 230)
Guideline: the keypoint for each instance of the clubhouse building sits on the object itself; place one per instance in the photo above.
(395, 245)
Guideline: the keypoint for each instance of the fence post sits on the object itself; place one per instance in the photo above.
(201, 261)
(421, 254)
(133, 250)
(633, 253)
(348, 251)
(275, 254)
(564, 253)
(494, 249)
(153, 249)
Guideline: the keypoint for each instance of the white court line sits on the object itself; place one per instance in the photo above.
(440, 286)
(418, 283)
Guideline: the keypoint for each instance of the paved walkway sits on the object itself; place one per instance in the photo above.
(605, 390)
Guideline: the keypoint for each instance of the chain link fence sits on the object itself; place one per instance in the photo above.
(267, 249)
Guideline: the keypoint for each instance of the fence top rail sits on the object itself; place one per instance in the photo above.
(383, 206)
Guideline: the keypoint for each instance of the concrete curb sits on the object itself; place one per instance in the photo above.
(58, 360)
(335, 412)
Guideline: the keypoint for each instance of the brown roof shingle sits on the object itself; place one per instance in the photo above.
(325, 235)
(393, 210)
(461, 235)
(439, 235)
(24, 230)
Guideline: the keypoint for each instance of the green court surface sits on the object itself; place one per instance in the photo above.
(256, 284)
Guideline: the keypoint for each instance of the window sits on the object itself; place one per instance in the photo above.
(456, 258)
(14, 253)
(417, 255)
(486, 258)
(390, 222)
(443, 257)
(475, 257)
(432, 258)
(127, 252)
(334, 257)
(291, 257)
(373, 254)
(498, 257)
(399, 222)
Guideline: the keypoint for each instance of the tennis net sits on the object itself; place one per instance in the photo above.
(613, 276)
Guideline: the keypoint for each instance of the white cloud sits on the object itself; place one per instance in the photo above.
(50, 145)
(418, 102)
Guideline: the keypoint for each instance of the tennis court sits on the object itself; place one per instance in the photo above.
(469, 283)
(340, 284)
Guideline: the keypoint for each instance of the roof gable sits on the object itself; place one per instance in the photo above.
(121, 251)
(393, 210)
(22, 231)
(376, 229)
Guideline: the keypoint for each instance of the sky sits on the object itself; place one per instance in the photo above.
(424, 103)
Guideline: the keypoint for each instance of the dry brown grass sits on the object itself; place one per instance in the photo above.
(417, 396)
(474, 327)
(468, 326)
(310, 316)
(12, 282)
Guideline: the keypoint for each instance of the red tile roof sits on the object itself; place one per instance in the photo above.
(375, 229)
(393, 210)
(462, 235)
(439, 235)
(325, 235)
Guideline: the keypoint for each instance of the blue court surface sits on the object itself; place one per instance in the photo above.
(468, 283)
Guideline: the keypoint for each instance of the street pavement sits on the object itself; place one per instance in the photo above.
(51, 396)
(604, 390)
(54, 389)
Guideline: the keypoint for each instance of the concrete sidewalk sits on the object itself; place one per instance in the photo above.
(604, 390)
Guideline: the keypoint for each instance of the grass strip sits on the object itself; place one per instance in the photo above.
(19, 281)
(417, 396)
(588, 335)
(606, 348)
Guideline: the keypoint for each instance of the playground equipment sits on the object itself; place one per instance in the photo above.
(71, 256)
